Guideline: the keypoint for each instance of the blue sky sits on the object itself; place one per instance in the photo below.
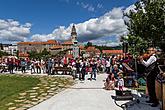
(44, 16)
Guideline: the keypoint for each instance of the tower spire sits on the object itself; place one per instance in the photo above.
(74, 34)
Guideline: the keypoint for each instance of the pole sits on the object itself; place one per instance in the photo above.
(136, 66)
(135, 59)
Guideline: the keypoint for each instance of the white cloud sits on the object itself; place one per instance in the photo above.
(87, 6)
(110, 24)
(130, 8)
(11, 30)
(99, 5)
(105, 43)
(91, 8)
(127, 11)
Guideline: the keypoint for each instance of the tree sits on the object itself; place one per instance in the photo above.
(3, 53)
(34, 54)
(89, 44)
(17, 53)
(45, 52)
(136, 45)
(147, 21)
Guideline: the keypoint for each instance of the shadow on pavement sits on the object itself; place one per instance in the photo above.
(138, 103)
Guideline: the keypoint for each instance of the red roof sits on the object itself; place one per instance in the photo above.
(67, 43)
(90, 49)
(50, 42)
(112, 51)
(56, 47)
(93, 49)
(39, 43)
(23, 55)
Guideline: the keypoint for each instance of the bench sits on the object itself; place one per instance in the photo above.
(64, 70)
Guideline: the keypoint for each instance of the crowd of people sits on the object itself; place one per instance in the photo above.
(147, 65)
(112, 65)
(80, 66)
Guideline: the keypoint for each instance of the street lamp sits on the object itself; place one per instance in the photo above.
(125, 47)
(124, 43)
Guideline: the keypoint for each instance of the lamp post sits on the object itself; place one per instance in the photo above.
(125, 47)
(124, 44)
(135, 56)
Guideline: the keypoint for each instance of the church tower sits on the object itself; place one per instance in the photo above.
(74, 35)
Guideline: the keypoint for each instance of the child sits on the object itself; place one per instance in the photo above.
(120, 82)
(110, 82)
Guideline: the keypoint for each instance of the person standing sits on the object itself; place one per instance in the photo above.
(83, 70)
(151, 72)
(107, 66)
(78, 68)
(23, 65)
(10, 65)
(94, 70)
(50, 65)
(38, 66)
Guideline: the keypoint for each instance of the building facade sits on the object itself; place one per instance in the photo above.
(51, 45)
(36, 46)
(9, 48)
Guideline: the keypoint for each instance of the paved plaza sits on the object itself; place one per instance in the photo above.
(87, 95)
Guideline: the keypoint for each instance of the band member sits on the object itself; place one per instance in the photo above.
(151, 74)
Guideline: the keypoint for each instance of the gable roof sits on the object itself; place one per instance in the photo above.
(92, 49)
(56, 47)
(112, 51)
(89, 49)
(23, 55)
(39, 43)
(67, 43)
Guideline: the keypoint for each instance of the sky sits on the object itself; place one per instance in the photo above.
(98, 21)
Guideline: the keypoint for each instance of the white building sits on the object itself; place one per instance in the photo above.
(10, 49)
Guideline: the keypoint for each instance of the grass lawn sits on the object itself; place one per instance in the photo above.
(12, 85)
(141, 89)
(25, 91)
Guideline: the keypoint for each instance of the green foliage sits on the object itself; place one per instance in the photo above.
(45, 52)
(3, 53)
(136, 45)
(17, 53)
(103, 47)
(33, 54)
(36, 55)
(89, 44)
(148, 21)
